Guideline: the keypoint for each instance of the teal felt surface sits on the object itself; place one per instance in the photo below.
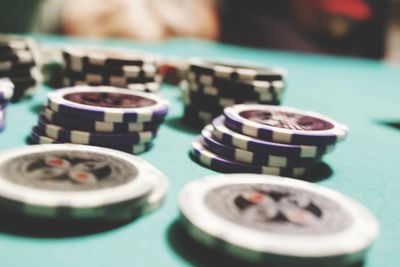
(363, 94)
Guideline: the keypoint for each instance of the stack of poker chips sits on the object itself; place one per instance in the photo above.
(118, 68)
(19, 62)
(267, 139)
(101, 116)
(75, 183)
(6, 93)
(273, 221)
(209, 87)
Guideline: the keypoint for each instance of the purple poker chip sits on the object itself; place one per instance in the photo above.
(219, 163)
(75, 123)
(245, 156)
(107, 103)
(38, 136)
(284, 124)
(232, 138)
(88, 138)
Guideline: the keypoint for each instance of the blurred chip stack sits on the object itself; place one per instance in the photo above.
(20, 63)
(6, 93)
(209, 87)
(119, 68)
(102, 116)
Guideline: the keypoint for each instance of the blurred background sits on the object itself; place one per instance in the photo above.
(361, 28)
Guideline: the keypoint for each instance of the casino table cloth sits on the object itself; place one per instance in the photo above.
(363, 94)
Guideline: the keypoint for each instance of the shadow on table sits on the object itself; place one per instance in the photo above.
(179, 124)
(391, 123)
(20, 225)
(199, 255)
(319, 172)
(37, 109)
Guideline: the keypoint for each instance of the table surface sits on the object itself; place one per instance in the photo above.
(363, 94)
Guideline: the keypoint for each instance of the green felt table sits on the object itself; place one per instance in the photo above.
(363, 94)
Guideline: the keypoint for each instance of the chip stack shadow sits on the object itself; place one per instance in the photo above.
(208, 87)
(102, 116)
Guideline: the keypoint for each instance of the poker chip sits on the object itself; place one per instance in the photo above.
(239, 140)
(234, 71)
(277, 221)
(75, 123)
(38, 136)
(88, 138)
(219, 163)
(81, 57)
(74, 182)
(19, 63)
(212, 86)
(284, 124)
(105, 103)
(119, 68)
(214, 146)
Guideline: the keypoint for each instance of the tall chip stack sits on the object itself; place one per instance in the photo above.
(209, 87)
(20, 63)
(267, 139)
(119, 68)
(104, 116)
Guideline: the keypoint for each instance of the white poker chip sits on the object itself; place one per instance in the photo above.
(285, 221)
(75, 182)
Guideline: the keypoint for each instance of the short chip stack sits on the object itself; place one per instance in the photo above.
(267, 139)
(19, 62)
(101, 116)
(119, 68)
(209, 87)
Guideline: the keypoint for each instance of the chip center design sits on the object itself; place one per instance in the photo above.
(110, 100)
(68, 171)
(287, 120)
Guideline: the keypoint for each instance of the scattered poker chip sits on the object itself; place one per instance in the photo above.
(232, 138)
(284, 124)
(9, 66)
(219, 163)
(75, 123)
(249, 157)
(109, 104)
(277, 221)
(74, 182)
(88, 138)
(235, 71)
(78, 58)
(38, 136)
